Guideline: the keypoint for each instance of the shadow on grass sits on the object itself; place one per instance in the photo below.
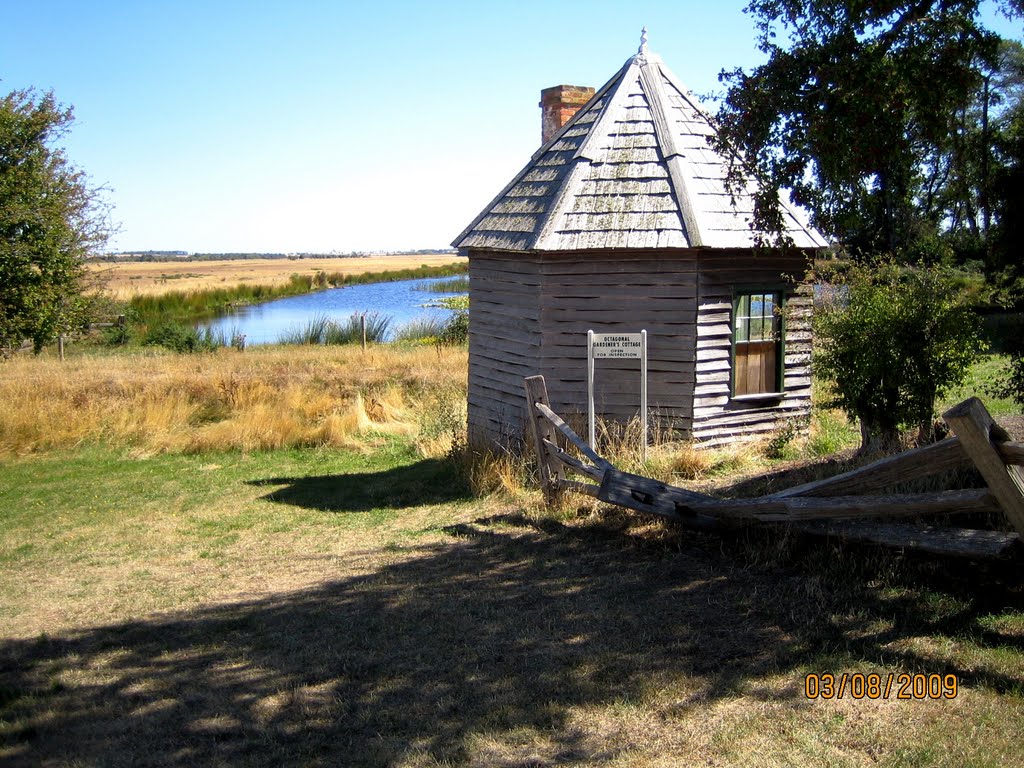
(430, 481)
(467, 650)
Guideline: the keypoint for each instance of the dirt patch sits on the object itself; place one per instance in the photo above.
(1014, 425)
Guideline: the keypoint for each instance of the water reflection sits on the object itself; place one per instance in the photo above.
(402, 300)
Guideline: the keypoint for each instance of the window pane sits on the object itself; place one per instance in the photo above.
(757, 305)
(756, 343)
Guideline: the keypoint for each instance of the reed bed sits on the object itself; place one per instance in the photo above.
(452, 285)
(322, 330)
(265, 398)
(421, 329)
(184, 306)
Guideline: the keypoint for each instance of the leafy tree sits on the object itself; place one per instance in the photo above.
(891, 341)
(853, 112)
(50, 220)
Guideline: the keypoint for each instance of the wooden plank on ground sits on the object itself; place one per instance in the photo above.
(971, 422)
(910, 465)
(551, 472)
(1012, 453)
(646, 495)
(957, 542)
(572, 437)
(585, 488)
(571, 461)
(796, 508)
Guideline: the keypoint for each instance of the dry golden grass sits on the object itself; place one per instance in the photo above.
(146, 278)
(263, 398)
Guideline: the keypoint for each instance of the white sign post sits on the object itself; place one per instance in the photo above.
(618, 346)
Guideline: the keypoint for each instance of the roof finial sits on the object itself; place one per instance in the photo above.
(643, 41)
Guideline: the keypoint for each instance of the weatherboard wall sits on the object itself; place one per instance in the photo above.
(717, 416)
(530, 313)
(620, 292)
(504, 344)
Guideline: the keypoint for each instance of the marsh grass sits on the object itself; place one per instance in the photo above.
(452, 285)
(191, 306)
(425, 328)
(322, 330)
(186, 307)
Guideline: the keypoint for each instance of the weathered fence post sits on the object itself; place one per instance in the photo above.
(971, 422)
(551, 472)
(60, 346)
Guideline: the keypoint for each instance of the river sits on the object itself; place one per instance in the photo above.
(402, 300)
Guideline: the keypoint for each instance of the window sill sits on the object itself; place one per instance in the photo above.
(758, 397)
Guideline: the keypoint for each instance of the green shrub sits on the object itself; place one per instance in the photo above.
(891, 340)
(1012, 385)
(777, 447)
(456, 330)
(180, 338)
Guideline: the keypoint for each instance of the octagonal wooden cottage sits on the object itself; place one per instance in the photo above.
(621, 221)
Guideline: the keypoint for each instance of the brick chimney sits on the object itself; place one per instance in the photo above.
(558, 105)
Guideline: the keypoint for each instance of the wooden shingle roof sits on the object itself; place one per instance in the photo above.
(632, 169)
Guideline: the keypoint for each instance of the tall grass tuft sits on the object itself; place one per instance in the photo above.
(350, 331)
(452, 285)
(322, 330)
(312, 331)
(425, 328)
(180, 338)
(830, 432)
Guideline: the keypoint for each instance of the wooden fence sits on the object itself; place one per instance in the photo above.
(842, 505)
(61, 338)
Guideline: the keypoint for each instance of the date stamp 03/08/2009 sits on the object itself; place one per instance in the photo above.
(900, 685)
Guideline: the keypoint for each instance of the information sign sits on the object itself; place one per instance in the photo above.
(617, 345)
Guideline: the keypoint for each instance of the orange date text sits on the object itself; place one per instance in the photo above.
(891, 685)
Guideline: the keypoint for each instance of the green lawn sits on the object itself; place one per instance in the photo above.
(317, 607)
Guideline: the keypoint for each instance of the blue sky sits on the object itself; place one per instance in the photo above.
(330, 126)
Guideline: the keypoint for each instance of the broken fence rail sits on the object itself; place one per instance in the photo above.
(822, 505)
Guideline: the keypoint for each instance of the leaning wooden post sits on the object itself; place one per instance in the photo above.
(971, 422)
(60, 346)
(551, 471)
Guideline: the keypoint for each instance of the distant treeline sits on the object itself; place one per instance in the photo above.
(194, 306)
(184, 256)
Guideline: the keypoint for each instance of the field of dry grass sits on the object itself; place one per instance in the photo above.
(147, 278)
(264, 398)
(270, 558)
